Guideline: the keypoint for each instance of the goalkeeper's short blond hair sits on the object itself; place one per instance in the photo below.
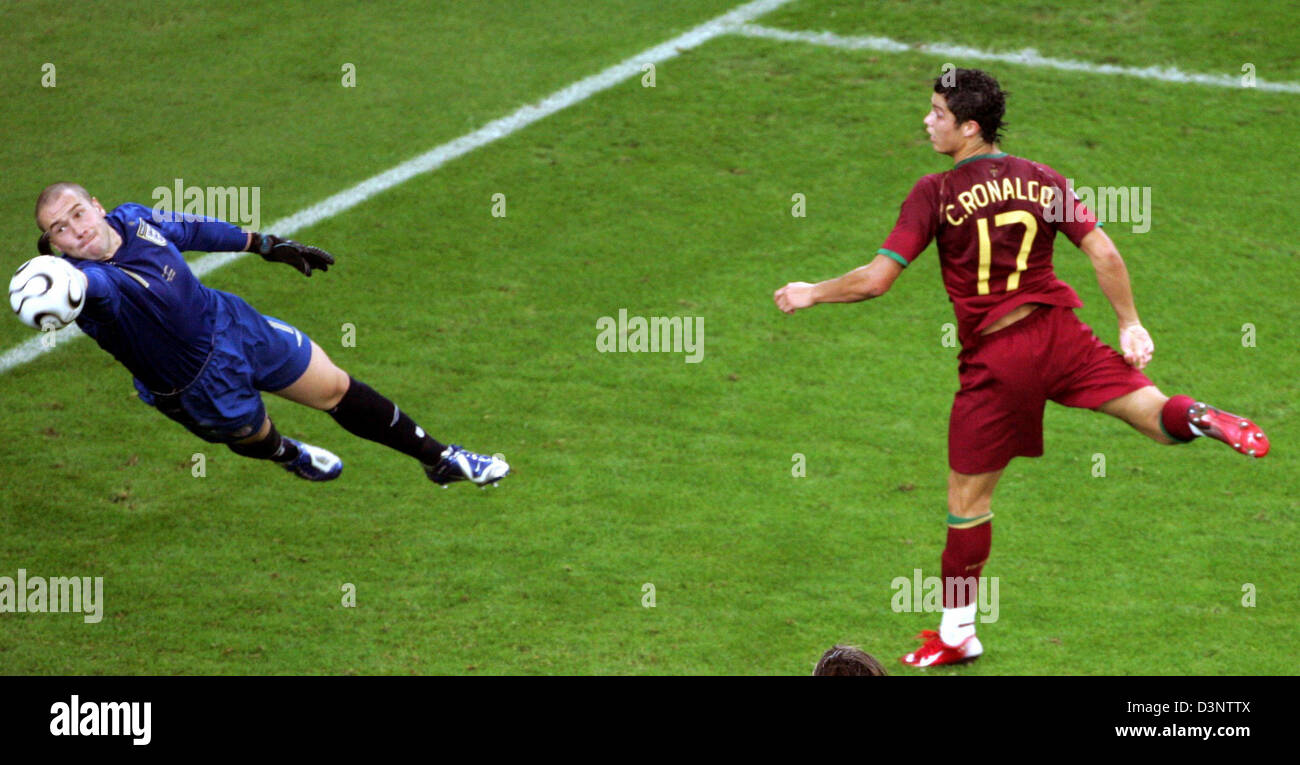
(55, 189)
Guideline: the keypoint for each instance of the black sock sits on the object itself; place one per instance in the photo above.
(363, 412)
(274, 447)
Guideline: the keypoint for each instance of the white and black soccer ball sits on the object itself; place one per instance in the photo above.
(47, 292)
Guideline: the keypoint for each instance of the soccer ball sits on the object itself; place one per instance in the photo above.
(47, 292)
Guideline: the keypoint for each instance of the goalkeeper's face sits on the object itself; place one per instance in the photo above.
(77, 227)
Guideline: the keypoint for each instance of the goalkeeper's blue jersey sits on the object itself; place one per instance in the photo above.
(145, 306)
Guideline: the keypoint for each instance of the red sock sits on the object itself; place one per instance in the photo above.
(1173, 418)
(963, 558)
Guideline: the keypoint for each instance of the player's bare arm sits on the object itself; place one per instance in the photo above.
(862, 283)
(1112, 277)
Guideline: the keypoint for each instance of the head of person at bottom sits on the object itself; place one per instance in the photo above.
(848, 661)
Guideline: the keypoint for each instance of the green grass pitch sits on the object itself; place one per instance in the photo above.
(639, 468)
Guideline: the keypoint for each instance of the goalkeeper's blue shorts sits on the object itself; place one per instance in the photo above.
(251, 353)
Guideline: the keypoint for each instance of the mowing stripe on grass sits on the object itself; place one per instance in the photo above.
(440, 155)
(1027, 57)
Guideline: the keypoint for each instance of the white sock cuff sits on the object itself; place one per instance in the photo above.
(957, 624)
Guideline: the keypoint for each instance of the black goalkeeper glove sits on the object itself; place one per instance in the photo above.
(300, 256)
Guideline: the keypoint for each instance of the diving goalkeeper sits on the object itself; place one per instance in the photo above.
(203, 357)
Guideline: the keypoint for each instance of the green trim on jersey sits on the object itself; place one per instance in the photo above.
(955, 522)
(999, 155)
(901, 260)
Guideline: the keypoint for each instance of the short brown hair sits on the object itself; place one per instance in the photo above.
(974, 95)
(848, 661)
(55, 189)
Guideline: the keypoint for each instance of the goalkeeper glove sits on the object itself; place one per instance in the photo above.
(300, 256)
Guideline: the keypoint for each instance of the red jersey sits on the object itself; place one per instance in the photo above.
(995, 217)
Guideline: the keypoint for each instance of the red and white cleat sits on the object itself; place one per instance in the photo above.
(936, 652)
(1238, 432)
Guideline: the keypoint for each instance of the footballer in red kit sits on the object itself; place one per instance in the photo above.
(994, 218)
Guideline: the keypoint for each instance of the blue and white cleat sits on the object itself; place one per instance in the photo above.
(313, 463)
(458, 464)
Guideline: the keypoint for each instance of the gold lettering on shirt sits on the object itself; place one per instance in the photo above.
(947, 211)
(983, 194)
(1045, 196)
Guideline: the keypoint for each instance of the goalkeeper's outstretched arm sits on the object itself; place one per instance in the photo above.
(189, 232)
(211, 235)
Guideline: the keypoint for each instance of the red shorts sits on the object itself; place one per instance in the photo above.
(1007, 379)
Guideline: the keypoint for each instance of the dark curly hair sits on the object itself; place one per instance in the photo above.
(847, 661)
(974, 95)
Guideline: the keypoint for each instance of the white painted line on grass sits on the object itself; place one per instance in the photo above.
(1027, 57)
(441, 155)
